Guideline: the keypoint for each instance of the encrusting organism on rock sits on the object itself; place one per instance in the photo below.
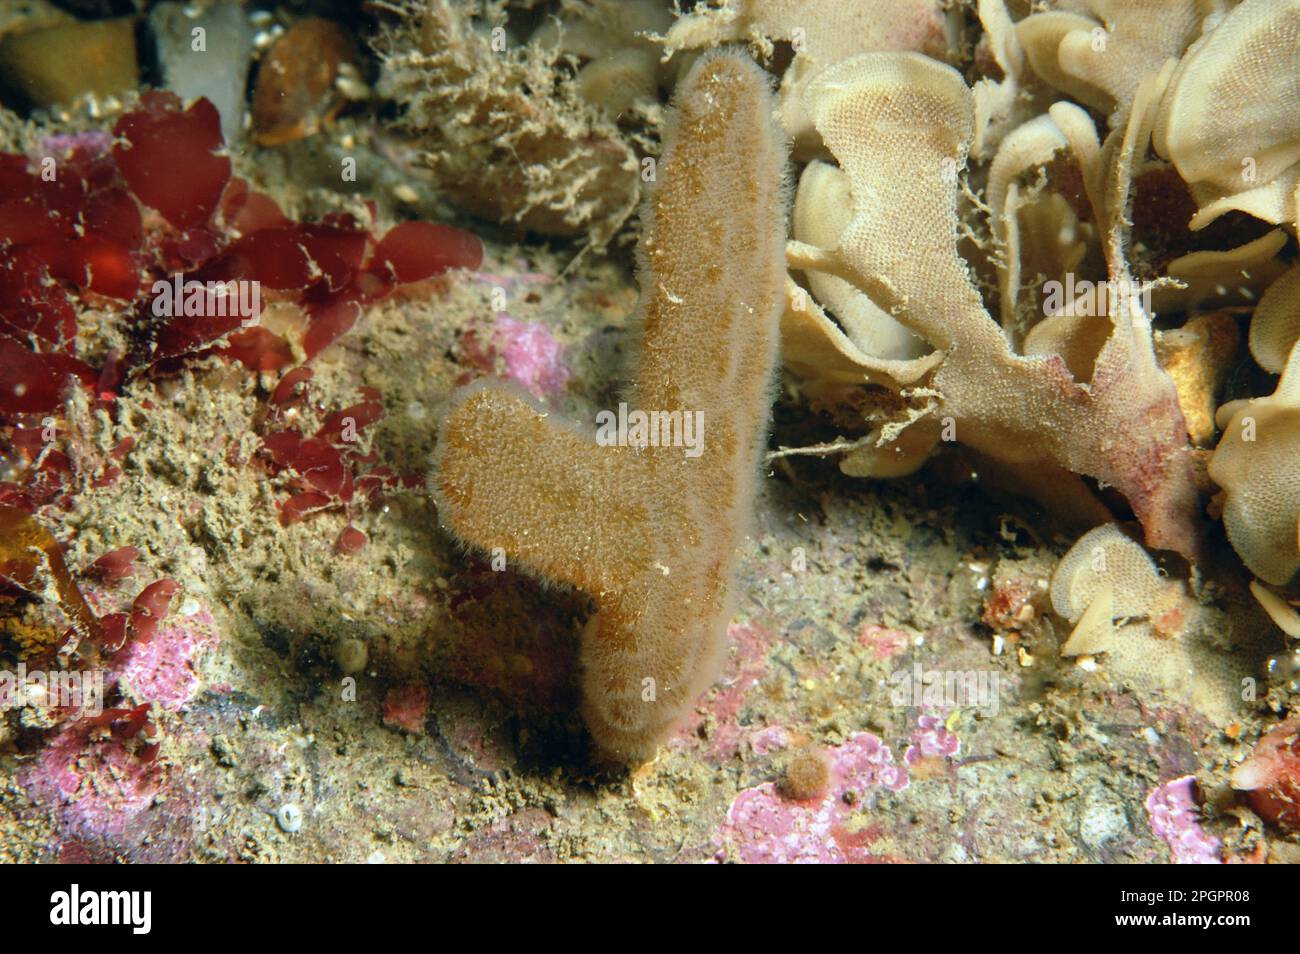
(1270, 777)
(648, 531)
(506, 133)
(821, 33)
(1103, 577)
(1255, 464)
(900, 126)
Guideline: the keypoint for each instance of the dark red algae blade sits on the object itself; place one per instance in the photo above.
(170, 157)
(35, 383)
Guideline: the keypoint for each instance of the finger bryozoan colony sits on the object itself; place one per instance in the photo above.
(650, 533)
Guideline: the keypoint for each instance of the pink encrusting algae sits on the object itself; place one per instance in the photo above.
(745, 668)
(1175, 817)
(532, 356)
(525, 352)
(95, 789)
(98, 784)
(883, 642)
(163, 670)
(763, 826)
(406, 708)
(932, 740)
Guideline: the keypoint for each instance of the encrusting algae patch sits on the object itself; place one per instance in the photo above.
(649, 531)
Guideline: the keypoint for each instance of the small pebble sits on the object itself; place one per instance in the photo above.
(295, 92)
(351, 655)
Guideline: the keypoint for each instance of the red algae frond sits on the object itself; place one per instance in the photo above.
(84, 233)
(649, 531)
(1270, 777)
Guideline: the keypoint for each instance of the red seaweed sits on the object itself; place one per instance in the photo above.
(332, 316)
(79, 236)
(82, 233)
(150, 607)
(350, 541)
(300, 505)
(114, 631)
(35, 383)
(27, 549)
(414, 251)
(292, 387)
(170, 157)
(245, 212)
(259, 350)
(115, 565)
(344, 425)
(328, 470)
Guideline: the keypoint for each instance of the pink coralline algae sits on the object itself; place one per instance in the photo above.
(1175, 818)
(532, 356)
(769, 740)
(763, 827)
(931, 740)
(162, 669)
(745, 668)
(99, 786)
(407, 708)
(524, 351)
(883, 642)
(93, 141)
(95, 789)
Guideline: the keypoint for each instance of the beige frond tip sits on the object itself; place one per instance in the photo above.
(1255, 464)
(1095, 632)
(1275, 326)
(1105, 558)
(1279, 610)
(1230, 123)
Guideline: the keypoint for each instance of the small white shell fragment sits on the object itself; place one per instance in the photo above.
(289, 818)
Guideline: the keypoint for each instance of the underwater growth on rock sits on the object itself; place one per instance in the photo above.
(601, 358)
